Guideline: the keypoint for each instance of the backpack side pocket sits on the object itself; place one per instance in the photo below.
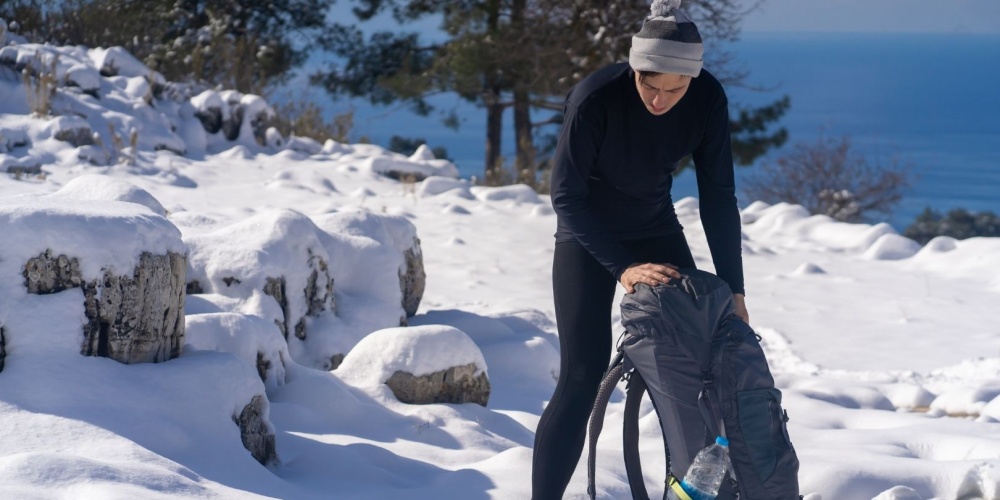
(762, 425)
(763, 459)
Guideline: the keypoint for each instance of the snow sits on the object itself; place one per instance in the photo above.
(99, 233)
(888, 354)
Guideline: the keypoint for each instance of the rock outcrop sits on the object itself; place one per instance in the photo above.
(256, 434)
(412, 278)
(132, 318)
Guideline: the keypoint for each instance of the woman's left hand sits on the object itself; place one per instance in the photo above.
(741, 307)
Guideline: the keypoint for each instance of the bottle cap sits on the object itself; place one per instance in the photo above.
(721, 441)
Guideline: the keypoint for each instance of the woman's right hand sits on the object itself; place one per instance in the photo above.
(648, 273)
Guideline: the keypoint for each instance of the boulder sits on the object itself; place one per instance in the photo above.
(420, 365)
(255, 432)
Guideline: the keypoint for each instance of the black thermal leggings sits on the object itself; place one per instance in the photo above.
(584, 291)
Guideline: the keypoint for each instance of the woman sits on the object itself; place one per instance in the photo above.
(626, 128)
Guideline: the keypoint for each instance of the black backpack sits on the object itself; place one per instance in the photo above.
(706, 375)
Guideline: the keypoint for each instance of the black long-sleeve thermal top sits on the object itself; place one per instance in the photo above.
(613, 166)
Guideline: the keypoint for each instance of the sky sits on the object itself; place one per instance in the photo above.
(887, 352)
(876, 16)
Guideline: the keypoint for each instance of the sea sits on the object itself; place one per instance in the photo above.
(930, 102)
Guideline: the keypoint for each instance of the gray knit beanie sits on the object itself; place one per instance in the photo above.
(668, 42)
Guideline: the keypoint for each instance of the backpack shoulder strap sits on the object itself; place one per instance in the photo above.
(611, 378)
(630, 436)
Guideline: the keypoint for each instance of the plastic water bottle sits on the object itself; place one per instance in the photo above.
(706, 473)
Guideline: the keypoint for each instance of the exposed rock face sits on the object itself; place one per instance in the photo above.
(133, 318)
(231, 125)
(255, 433)
(263, 366)
(336, 360)
(319, 287)
(318, 296)
(77, 136)
(213, 119)
(259, 124)
(50, 274)
(458, 384)
(18, 170)
(275, 287)
(412, 278)
(210, 118)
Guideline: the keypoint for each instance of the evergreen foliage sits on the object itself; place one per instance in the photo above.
(959, 223)
(247, 45)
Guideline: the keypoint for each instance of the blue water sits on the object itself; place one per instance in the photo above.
(931, 101)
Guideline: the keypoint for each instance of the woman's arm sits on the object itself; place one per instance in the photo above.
(720, 216)
(575, 159)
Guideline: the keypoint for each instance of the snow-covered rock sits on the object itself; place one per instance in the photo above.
(891, 246)
(388, 245)
(420, 365)
(402, 168)
(103, 188)
(278, 254)
(253, 339)
(131, 296)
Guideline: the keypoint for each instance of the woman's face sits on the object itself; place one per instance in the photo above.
(661, 91)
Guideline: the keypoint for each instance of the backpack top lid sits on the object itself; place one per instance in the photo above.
(692, 307)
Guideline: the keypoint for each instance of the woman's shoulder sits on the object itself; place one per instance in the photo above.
(599, 86)
(706, 85)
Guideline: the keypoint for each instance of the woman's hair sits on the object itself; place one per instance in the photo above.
(643, 75)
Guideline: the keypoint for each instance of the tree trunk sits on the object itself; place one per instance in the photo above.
(494, 124)
(494, 109)
(522, 129)
(524, 165)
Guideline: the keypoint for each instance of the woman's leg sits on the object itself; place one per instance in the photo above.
(584, 291)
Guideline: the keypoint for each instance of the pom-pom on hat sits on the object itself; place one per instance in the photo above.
(668, 42)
